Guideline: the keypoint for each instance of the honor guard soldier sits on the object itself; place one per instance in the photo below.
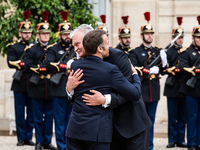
(124, 34)
(140, 58)
(39, 86)
(15, 57)
(175, 101)
(103, 27)
(58, 59)
(189, 65)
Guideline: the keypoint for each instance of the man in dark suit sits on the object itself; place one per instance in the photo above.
(94, 123)
(132, 112)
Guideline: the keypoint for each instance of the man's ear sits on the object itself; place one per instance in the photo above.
(20, 34)
(59, 35)
(37, 35)
(100, 49)
(141, 36)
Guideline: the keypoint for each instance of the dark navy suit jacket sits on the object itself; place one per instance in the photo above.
(131, 117)
(94, 123)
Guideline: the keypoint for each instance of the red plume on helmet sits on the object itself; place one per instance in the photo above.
(45, 15)
(125, 19)
(64, 15)
(198, 19)
(179, 20)
(26, 14)
(103, 18)
(147, 16)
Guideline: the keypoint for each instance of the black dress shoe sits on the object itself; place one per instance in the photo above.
(38, 146)
(183, 144)
(191, 148)
(29, 142)
(170, 145)
(49, 146)
(20, 143)
(62, 149)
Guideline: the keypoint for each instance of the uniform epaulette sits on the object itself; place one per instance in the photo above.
(137, 47)
(31, 45)
(157, 47)
(10, 44)
(131, 49)
(51, 45)
(183, 49)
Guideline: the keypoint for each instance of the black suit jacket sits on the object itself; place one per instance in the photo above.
(131, 117)
(94, 123)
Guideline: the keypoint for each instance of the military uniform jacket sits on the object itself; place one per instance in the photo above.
(32, 57)
(150, 88)
(172, 58)
(187, 59)
(122, 48)
(14, 53)
(54, 53)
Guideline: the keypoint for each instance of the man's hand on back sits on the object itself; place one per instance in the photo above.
(74, 80)
(94, 100)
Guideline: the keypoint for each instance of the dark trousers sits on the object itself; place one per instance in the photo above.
(43, 120)
(75, 144)
(193, 120)
(152, 111)
(24, 120)
(138, 142)
(176, 119)
(62, 111)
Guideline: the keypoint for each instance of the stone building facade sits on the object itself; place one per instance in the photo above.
(163, 19)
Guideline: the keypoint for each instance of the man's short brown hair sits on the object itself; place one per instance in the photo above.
(92, 40)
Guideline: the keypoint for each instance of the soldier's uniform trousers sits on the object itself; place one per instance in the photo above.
(176, 119)
(152, 106)
(62, 111)
(193, 120)
(43, 120)
(24, 124)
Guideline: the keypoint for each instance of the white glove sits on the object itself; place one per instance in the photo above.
(69, 63)
(154, 70)
(163, 56)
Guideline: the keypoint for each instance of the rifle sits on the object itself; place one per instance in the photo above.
(18, 74)
(192, 81)
(171, 79)
(57, 77)
(35, 78)
(155, 60)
